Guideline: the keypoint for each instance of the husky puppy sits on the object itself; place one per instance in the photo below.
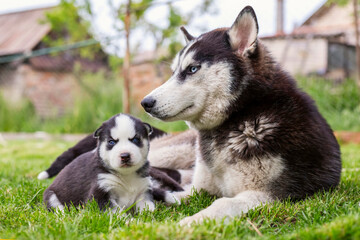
(171, 156)
(116, 174)
(86, 144)
(260, 137)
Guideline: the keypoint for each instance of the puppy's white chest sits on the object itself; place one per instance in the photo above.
(124, 190)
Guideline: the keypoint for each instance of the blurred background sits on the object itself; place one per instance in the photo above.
(68, 65)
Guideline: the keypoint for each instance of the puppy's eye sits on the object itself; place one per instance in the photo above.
(193, 69)
(135, 140)
(111, 142)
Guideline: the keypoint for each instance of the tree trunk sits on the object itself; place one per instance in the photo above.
(126, 66)
(280, 17)
(356, 19)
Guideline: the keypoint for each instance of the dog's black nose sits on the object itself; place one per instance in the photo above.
(148, 103)
(125, 157)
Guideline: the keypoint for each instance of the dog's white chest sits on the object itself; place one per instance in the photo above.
(252, 174)
(125, 190)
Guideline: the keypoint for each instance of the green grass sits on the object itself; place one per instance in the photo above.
(326, 215)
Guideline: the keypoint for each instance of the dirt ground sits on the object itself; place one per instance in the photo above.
(348, 137)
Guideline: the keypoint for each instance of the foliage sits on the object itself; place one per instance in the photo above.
(17, 117)
(72, 18)
(326, 215)
(339, 2)
(167, 36)
(338, 102)
(115, 62)
(68, 27)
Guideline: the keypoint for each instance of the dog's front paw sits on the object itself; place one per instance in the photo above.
(195, 219)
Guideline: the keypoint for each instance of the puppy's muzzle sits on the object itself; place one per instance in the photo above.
(125, 158)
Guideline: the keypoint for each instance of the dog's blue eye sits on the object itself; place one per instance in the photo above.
(193, 69)
(111, 142)
(135, 140)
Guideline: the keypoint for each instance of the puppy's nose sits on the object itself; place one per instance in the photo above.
(125, 157)
(148, 103)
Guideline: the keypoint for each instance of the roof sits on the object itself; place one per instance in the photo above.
(60, 63)
(319, 13)
(330, 18)
(22, 31)
(329, 21)
(300, 35)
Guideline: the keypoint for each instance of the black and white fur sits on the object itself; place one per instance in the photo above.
(116, 174)
(85, 145)
(260, 137)
(171, 157)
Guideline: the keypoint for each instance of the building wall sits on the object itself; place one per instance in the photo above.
(299, 56)
(145, 77)
(51, 93)
(335, 17)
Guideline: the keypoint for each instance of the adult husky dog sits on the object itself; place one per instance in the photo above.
(260, 137)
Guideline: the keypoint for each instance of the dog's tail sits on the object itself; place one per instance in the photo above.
(85, 145)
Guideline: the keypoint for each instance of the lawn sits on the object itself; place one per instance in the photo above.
(329, 215)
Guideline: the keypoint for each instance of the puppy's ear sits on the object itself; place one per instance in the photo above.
(97, 132)
(149, 128)
(187, 35)
(243, 33)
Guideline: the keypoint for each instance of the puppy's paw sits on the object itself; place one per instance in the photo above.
(150, 206)
(129, 220)
(170, 198)
(145, 205)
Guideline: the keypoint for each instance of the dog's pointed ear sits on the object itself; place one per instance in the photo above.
(97, 132)
(149, 128)
(243, 33)
(187, 35)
